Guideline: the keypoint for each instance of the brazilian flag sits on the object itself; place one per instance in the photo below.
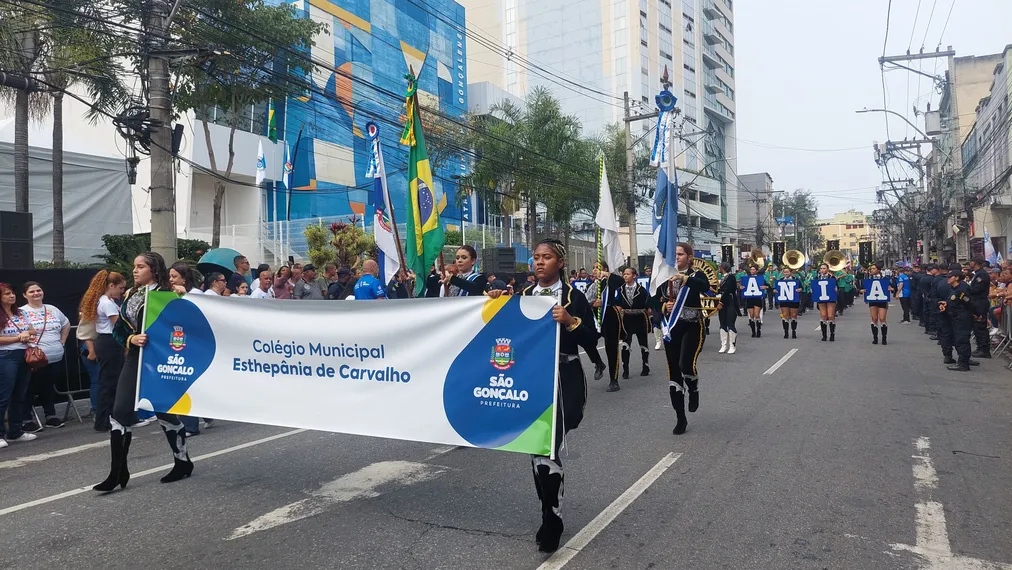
(272, 124)
(425, 232)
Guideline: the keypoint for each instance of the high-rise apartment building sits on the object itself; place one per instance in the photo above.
(590, 52)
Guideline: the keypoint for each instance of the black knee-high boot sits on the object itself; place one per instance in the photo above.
(182, 467)
(678, 403)
(832, 330)
(549, 480)
(118, 452)
(885, 329)
(874, 333)
(823, 326)
(751, 325)
(124, 473)
(758, 329)
(646, 361)
(787, 328)
(625, 363)
(794, 328)
(692, 385)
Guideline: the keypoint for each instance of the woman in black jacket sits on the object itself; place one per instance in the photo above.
(633, 300)
(728, 311)
(150, 274)
(576, 318)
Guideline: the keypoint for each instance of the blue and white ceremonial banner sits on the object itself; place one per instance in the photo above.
(664, 224)
(644, 282)
(581, 285)
(876, 290)
(789, 291)
(393, 369)
(387, 256)
(824, 290)
(752, 286)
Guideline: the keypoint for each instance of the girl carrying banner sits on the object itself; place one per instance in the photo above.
(150, 274)
(754, 305)
(576, 320)
(788, 297)
(824, 292)
(878, 309)
(683, 329)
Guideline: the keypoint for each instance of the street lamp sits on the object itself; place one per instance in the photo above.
(867, 110)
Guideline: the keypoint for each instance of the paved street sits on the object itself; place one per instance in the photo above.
(847, 455)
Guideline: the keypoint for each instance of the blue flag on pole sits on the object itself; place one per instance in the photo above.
(665, 212)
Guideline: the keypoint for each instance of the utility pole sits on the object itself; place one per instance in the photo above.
(630, 159)
(162, 187)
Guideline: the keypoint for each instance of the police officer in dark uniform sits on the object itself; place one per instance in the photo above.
(980, 288)
(957, 320)
(915, 292)
(931, 299)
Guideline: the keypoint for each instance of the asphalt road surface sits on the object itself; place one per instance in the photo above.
(845, 455)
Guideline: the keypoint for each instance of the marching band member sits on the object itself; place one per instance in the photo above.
(827, 311)
(460, 279)
(603, 295)
(789, 309)
(877, 309)
(635, 321)
(576, 317)
(684, 330)
(728, 309)
(754, 305)
(150, 274)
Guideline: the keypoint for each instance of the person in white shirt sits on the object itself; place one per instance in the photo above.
(215, 284)
(53, 328)
(265, 286)
(99, 309)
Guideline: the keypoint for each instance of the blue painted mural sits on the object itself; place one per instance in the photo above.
(370, 46)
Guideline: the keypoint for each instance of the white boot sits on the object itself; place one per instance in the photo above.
(660, 339)
(732, 338)
(723, 341)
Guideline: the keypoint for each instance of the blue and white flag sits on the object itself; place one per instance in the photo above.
(288, 166)
(386, 243)
(665, 211)
(261, 163)
(990, 253)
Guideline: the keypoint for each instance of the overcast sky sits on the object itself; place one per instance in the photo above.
(803, 67)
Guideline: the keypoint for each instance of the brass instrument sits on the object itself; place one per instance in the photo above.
(757, 258)
(794, 259)
(835, 260)
(709, 303)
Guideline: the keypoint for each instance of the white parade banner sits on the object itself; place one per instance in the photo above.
(465, 371)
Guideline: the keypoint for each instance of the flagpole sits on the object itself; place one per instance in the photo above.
(418, 119)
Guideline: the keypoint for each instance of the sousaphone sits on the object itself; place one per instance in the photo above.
(793, 259)
(708, 302)
(835, 260)
(757, 258)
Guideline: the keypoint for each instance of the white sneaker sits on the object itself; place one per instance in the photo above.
(994, 331)
(3, 443)
(145, 422)
(25, 437)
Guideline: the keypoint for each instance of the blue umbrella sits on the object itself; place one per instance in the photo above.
(221, 260)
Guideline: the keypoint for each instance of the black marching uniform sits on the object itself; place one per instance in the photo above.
(123, 413)
(980, 288)
(633, 300)
(957, 319)
(685, 341)
(915, 293)
(931, 299)
(548, 473)
(610, 316)
(471, 284)
(943, 321)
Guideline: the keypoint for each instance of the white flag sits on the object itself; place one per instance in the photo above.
(261, 163)
(288, 166)
(606, 220)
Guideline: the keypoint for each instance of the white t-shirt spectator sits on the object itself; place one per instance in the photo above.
(211, 292)
(259, 293)
(54, 321)
(106, 308)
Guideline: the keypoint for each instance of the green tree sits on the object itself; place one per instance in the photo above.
(805, 209)
(530, 155)
(240, 75)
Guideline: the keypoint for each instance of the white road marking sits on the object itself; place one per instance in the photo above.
(818, 328)
(22, 461)
(602, 520)
(780, 362)
(134, 476)
(361, 484)
(933, 547)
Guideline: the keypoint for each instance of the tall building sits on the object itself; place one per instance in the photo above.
(589, 53)
(755, 210)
